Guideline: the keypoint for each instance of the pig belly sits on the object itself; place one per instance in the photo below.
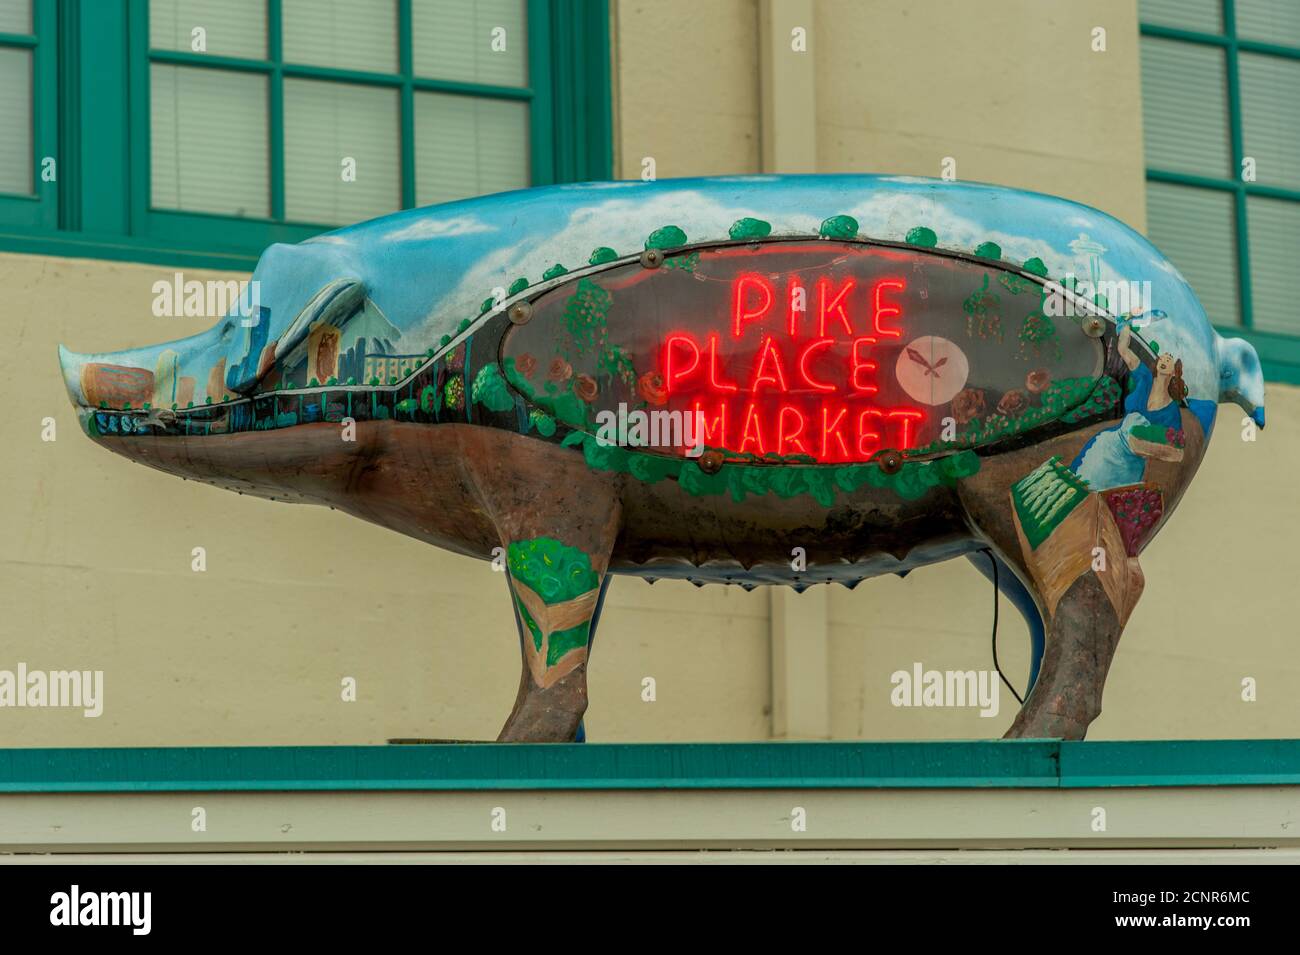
(420, 480)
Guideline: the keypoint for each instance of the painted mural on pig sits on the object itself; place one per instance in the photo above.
(740, 380)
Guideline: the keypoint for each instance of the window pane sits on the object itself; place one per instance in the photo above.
(326, 124)
(208, 147)
(15, 16)
(16, 122)
(345, 34)
(1184, 108)
(1195, 229)
(1274, 226)
(466, 146)
(1272, 21)
(1270, 117)
(230, 27)
(454, 40)
(1202, 15)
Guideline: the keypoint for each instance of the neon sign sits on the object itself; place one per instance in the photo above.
(803, 350)
(789, 380)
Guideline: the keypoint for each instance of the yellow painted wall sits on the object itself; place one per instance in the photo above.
(96, 550)
(1010, 89)
(686, 92)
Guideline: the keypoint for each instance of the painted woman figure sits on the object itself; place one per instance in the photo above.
(1108, 460)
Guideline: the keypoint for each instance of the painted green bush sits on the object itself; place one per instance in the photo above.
(668, 237)
(742, 480)
(748, 228)
(839, 227)
(922, 236)
(489, 389)
(557, 573)
(552, 569)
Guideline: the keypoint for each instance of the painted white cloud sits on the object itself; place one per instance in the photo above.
(620, 224)
(914, 180)
(437, 229)
(612, 184)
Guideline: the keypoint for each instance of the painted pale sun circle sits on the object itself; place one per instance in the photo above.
(932, 370)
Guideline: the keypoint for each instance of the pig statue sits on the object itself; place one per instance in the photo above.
(738, 380)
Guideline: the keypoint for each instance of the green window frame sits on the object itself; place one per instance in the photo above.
(1279, 352)
(91, 112)
(37, 209)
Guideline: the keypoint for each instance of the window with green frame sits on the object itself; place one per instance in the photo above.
(28, 173)
(200, 131)
(1221, 112)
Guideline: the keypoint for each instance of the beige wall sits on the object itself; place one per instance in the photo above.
(687, 87)
(1010, 89)
(96, 550)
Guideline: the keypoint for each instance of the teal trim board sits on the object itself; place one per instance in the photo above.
(1008, 764)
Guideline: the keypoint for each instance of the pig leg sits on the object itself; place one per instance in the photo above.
(556, 590)
(557, 522)
(1082, 636)
(1082, 630)
(1084, 584)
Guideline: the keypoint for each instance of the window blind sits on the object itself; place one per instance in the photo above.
(1185, 108)
(15, 121)
(1274, 227)
(467, 147)
(1194, 228)
(326, 123)
(452, 40)
(1203, 15)
(209, 149)
(230, 27)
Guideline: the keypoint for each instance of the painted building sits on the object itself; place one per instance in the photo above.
(142, 139)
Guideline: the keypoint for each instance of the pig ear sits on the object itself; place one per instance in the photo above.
(330, 306)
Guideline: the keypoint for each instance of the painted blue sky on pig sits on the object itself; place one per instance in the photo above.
(428, 269)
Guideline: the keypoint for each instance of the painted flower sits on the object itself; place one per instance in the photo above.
(455, 394)
(651, 387)
(560, 370)
(526, 364)
(967, 404)
(1036, 381)
(585, 387)
(456, 358)
(1013, 403)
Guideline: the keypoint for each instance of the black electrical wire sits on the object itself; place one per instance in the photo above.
(994, 561)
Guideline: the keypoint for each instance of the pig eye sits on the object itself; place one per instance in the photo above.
(226, 329)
